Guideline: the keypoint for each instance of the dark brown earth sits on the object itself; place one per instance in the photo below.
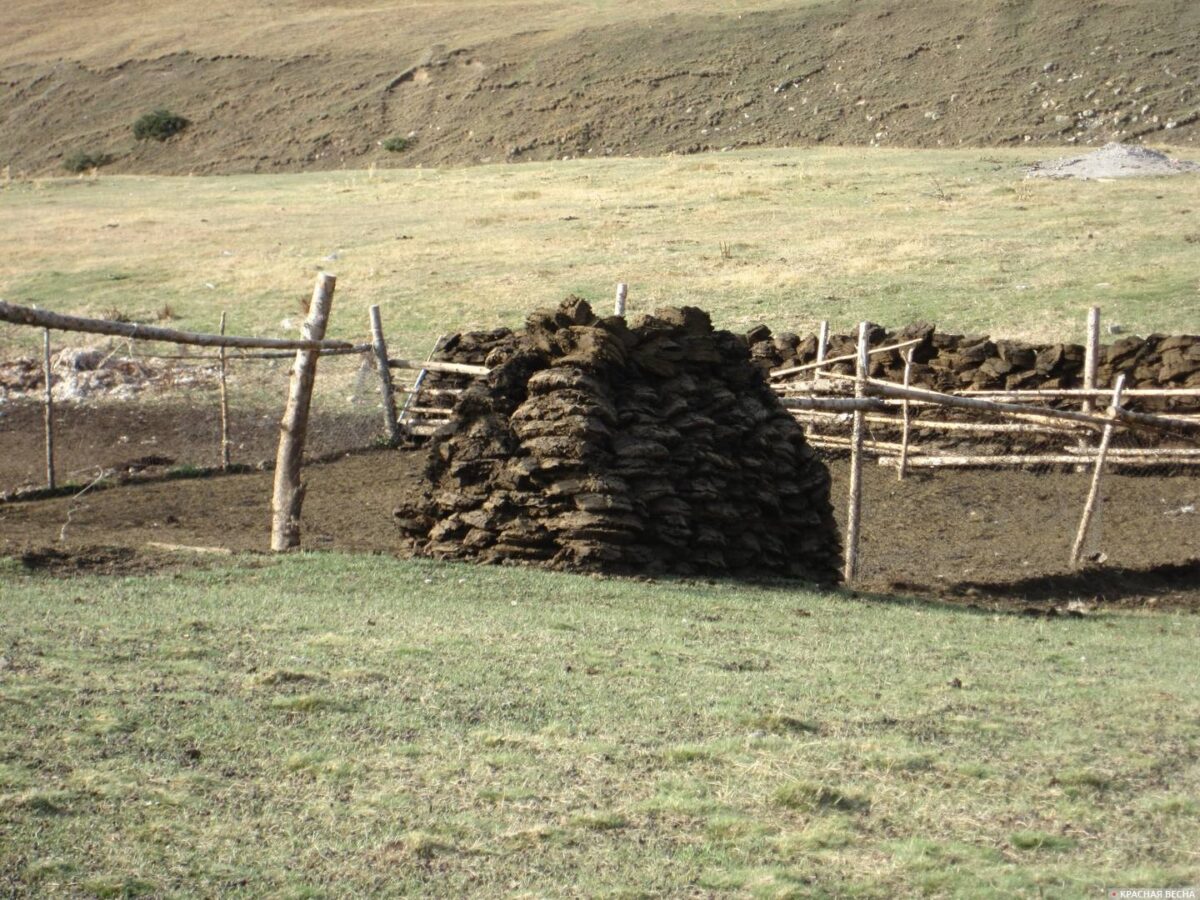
(150, 438)
(930, 74)
(979, 537)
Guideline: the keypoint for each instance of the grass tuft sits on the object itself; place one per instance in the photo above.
(306, 703)
(1039, 840)
(776, 723)
(812, 797)
(600, 821)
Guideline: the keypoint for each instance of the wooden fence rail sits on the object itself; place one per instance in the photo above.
(40, 318)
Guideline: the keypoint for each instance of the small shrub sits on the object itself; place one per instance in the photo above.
(85, 161)
(186, 470)
(159, 125)
(396, 144)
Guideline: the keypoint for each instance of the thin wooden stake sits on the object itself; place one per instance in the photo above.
(225, 442)
(622, 293)
(849, 357)
(854, 512)
(1091, 355)
(386, 392)
(288, 496)
(822, 347)
(902, 468)
(51, 482)
(1093, 498)
(414, 393)
(921, 459)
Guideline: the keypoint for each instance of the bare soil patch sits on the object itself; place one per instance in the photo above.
(985, 538)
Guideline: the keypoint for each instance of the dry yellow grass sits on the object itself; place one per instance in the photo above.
(955, 237)
(38, 30)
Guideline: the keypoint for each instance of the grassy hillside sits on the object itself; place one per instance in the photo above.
(331, 726)
(782, 237)
(306, 85)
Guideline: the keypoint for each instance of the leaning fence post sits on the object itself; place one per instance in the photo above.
(1093, 498)
(288, 496)
(902, 465)
(51, 482)
(386, 392)
(622, 293)
(854, 512)
(224, 404)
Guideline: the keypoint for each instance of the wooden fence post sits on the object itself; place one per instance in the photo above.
(51, 482)
(902, 466)
(1091, 355)
(288, 496)
(224, 405)
(1093, 498)
(854, 513)
(822, 350)
(386, 392)
(822, 347)
(622, 293)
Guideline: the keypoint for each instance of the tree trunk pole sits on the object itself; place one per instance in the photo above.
(288, 496)
(854, 513)
(224, 405)
(51, 481)
(1093, 498)
(386, 391)
(619, 305)
(902, 467)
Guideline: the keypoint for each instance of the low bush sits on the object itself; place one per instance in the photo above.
(85, 161)
(159, 125)
(396, 144)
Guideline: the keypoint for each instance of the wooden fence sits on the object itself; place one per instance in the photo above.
(823, 400)
(288, 492)
(831, 397)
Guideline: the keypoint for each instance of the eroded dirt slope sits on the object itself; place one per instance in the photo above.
(942, 73)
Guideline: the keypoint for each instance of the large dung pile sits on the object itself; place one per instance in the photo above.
(653, 446)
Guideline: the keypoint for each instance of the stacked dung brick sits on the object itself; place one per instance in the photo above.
(654, 446)
(951, 362)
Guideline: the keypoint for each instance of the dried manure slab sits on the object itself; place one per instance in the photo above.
(950, 362)
(654, 447)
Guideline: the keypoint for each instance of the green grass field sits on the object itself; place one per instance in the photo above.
(327, 725)
(785, 237)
